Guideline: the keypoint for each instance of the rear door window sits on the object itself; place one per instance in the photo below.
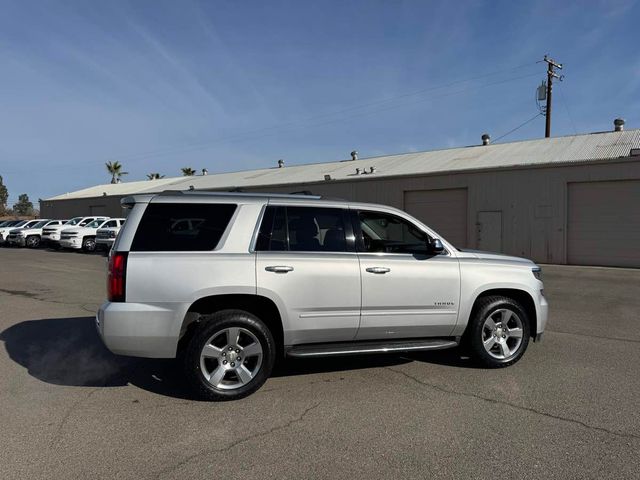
(303, 229)
(172, 227)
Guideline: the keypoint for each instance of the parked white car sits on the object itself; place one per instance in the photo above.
(106, 235)
(51, 235)
(30, 236)
(83, 237)
(8, 225)
(4, 232)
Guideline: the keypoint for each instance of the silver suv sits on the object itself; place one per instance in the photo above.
(252, 277)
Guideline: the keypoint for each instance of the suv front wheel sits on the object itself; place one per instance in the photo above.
(230, 355)
(89, 244)
(498, 333)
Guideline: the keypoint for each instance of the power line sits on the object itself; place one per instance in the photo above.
(519, 126)
(301, 123)
(402, 100)
(566, 107)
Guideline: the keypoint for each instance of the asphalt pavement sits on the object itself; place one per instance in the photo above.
(70, 409)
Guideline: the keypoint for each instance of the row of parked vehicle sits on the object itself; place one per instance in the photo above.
(79, 233)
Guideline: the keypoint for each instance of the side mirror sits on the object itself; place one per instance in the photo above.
(435, 246)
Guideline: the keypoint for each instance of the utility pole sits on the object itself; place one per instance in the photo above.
(551, 74)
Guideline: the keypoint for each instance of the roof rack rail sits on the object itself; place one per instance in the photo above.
(308, 193)
(239, 194)
(171, 192)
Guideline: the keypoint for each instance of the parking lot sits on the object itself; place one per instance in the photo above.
(70, 409)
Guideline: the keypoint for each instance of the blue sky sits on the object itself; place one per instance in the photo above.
(228, 85)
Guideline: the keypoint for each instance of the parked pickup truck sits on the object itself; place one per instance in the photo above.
(4, 231)
(265, 275)
(30, 236)
(84, 237)
(51, 235)
(106, 235)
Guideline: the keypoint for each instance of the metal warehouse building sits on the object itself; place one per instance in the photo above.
(567, 200)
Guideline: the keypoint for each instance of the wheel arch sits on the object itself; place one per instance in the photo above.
(523, 297)
(262, 307)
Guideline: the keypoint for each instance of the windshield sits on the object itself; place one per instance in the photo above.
(74, 221)
(19, 224)
(95, 224)
(40, 224)
(30, 224)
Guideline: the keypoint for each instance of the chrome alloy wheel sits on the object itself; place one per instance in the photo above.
(231, 358)
(502, 333)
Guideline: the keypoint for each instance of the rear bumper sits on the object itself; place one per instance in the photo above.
(138, 329)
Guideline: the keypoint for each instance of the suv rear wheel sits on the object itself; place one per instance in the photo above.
(230, 355)
(498, 333)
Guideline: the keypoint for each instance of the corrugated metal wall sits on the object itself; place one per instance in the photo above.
(76, 207)
(532, 201)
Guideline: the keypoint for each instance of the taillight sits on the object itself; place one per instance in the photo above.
(116, 279)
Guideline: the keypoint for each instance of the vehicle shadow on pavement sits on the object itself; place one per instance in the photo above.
(298, 366)
(68, 351)
(451, 357)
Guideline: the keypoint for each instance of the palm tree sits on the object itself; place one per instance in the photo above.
(154, 176)
(115, 169)
(188, 171)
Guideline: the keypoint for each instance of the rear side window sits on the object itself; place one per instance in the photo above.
(175, 227)
(303, 229)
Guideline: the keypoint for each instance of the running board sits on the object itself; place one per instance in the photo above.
(359, 348)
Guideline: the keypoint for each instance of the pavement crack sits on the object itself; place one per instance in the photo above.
(34, 296)
(184, 461)
(65, 418)
(517, 407)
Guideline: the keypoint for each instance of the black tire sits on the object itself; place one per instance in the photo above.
(32, 241)
(209, 326)
(495, 307)
(89, 244)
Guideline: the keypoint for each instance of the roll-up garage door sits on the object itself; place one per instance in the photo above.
(604, 223)
(443, 210)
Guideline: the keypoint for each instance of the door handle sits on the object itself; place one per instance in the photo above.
(378, 269)
(279, 269)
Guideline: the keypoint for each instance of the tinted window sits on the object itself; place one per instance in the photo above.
(382, 232)
(302, 229)
(110, 224)
(181, 227)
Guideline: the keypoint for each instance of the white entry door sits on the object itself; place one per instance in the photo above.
(489, 231)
